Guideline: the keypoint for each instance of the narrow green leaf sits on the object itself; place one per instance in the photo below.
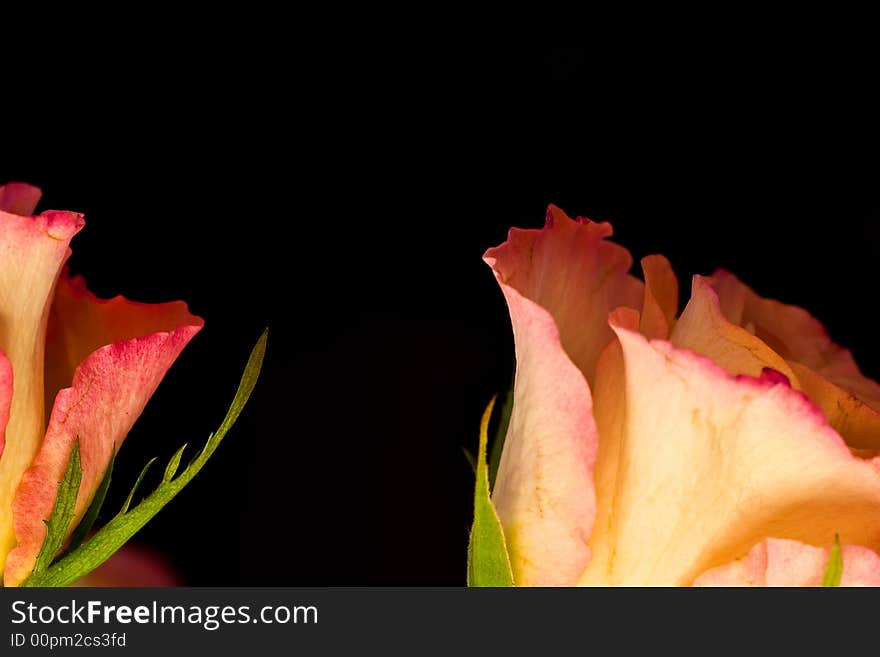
(500, 435)
(88, 520)
(62, 513)
(834, 569)
(173, 464)
(134, 488)
(121, 528)
(488, 562)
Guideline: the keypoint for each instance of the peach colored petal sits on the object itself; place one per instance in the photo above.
(791, 331)
(661, 297)
(710, 464)
(554, 281)
(655, 321)
(609, 409)
(133, 565)
(32, 250)
(543, 491)
(853, 418)
(704, 329)
(829, 373)
(778, 562)
(19, 198)
(109, 389)
(570, 270)
(5, 397)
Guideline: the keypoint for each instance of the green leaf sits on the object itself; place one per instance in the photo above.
(94, 509)
(173, 464)
(834, 569)
(134, 488)
(121, 528)
(62, 513)
(488, 562)
(500, 435)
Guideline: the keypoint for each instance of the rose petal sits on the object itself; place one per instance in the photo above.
(543, 491)
(109, 390)
(554, 280)
(32, 250)
(19, 198)
(655, 321)
(661, 297)
(778, 562)
(851, 417)
(704, 329)
(791, 331)
(133, 565)
(711, 464)
(81, 323)
(827, 372)
(609, 409)
(571, 271)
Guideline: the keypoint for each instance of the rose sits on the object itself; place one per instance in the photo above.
(725, 446)
(94, 363)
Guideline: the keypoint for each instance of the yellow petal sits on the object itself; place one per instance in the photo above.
(32, 252)
(609, 409)
(827, 373)
(704, 329)
(710, 464)
(661, 297)
(853, 418)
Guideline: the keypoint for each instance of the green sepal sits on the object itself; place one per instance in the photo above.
(173, 464)
(834, 569)
(134, 488)
(500, 435)
(488, 561)
(88, 520)
(107, 540)
(62, 513)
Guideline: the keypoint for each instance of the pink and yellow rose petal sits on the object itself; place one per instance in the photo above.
(72, 367)
(724, 446)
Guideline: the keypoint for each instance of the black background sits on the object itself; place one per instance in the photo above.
(342, 194)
